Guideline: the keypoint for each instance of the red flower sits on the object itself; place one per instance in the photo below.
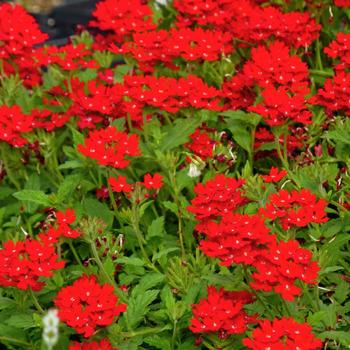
(18, 31)
(340, 48)
(295, 208)
(119, 184)
(275, 66)
(275, 175)
(150, 48)
(342, 3)
(281, 334)
(153, 183)
(201, 144)
(104, 344)
(278, 107)
(335, 94)
(86, 305)
(13, 123)
(123, 17)
(109, 147)
(222, 311)
(238, 238)
(216, 199)
(23, 264)
(63, 222)
(280, 266)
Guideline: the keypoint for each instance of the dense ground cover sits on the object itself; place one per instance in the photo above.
(176, 177)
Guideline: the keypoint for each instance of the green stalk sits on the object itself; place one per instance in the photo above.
(36, 302)
(75, 253)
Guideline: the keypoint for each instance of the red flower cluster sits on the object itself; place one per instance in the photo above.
(48, 120)
(249, 22)
(283, 334)
(86, 305)
(13, 123)
(340, 48)
(216, 199)
(150, 48)
(275, 175)
(69, 57)
(94, 103)
(342, 3)
(238, 238)
(295, 208)
(23, 264)
(335, 94)
(201, 144)
(109, 147)
(168, 94)
(278, 268)
(104, 344)
(274, 66)
(222, 311)
(18, 31)
(120, 184)
(123, 17)
(278, 107)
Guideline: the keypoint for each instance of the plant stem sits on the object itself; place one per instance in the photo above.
(101, 267)
(144, 332)
(75, 253)
(36, 302)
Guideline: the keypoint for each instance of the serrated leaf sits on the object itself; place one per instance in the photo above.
(171, 206)
(68, 185)
(163, 252)
(138, 307)
(178, 133)
(23, 321)
(340, 336)
(147, 282)
(156, 229)
(95, 208)
(130, 261)
(158, 342)
(249, 118)
(33, 196)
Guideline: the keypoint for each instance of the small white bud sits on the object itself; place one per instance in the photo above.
(194, 171)
(50, 331)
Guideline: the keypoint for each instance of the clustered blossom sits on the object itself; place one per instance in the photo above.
(340, 48)
(248, 22)
(168, 94)
(110, 147)
(279, 266)
(123, 18)
(275, 175)
(95, 103)
(13, 123)
(68, 57)
(295, 208)
(216, 198)
(282, 334)
(335, 94)
(19, 32)
(86, 305)
(278, 107)
(24, 264)
(221, 311)
(201, 144)
(104, 344)
(150, 48)
(342, 3)
(237, 238)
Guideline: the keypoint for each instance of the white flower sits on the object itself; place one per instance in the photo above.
(162, 2)
(50, 325)
(194, 171)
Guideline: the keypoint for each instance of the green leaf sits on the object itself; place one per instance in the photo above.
(147, 282)
(158, 342)
(156, 229)
(340, 336)
(95, 208)
(19, 320)
(163, 252)
(138, 306)
(171, 206)
(130, 261)
(178, 133)
(241, 116)
(33, 196)
(69, 184)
